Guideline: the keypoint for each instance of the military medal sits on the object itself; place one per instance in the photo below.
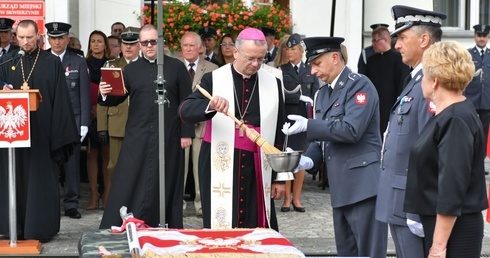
(67, 71)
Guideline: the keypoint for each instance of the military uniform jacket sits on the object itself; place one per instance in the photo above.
(347, 123)
(78, 82)
(295, 85)
(407, 118)
(478, 91)
(113, 119)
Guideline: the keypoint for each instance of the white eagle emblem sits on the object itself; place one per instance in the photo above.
(361, 98)
(11, 119)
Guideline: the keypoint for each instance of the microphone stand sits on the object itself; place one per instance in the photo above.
(161, 101)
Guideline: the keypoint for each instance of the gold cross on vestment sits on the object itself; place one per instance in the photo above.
(25, 86)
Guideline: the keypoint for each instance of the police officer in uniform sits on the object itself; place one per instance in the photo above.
(208, 36)
(346, 127)
(478, 91)
(6, 36)
(416, 30)
(111, 120)
(77, 81)
(270, 35)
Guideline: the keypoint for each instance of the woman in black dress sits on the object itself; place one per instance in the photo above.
(446, 175)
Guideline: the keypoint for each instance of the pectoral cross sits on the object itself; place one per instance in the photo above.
(240, 129)
(25, 86)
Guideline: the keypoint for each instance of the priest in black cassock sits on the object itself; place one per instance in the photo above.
(237, 186)
(53, 136)
(135, 183)
(387, 72)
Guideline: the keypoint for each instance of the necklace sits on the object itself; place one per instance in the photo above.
(242, 114)
(25, 86)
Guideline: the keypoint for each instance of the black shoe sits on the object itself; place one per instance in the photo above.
(298, 209)
(73, 213)
(285, 209)
(486, 173)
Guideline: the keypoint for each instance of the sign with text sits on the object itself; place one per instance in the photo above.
(14, 120)
(21, 10)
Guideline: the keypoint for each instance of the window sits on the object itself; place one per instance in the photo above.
(464, 13)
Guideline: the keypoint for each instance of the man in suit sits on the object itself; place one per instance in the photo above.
(77, 80)
(345, 135)
(270, 35)
(208, 36)
(416, 30)
(478, 91)
(191, 44)
(111, 121)
(6, 36)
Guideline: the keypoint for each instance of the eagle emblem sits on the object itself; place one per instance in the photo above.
(361, 98)
(12, 121)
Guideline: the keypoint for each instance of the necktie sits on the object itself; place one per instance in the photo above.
(482, 53)
(330, 89)
(3, 51)
(296, 69)
(407, 80)
(207, 58)
(269, 56)
(191, 71)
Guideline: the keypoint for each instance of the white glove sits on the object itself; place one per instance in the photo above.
(304, 163)
(416, 227)
(306, 99)
(299, 126)
(83, 132)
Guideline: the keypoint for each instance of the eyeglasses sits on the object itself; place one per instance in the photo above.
(145, 43)
(376, 40)
(230, 44)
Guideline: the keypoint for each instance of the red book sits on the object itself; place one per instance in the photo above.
(114, 77)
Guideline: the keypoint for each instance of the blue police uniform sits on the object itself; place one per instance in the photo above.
(408, 116)
(77, 81)
(347, 126)
(478, 91)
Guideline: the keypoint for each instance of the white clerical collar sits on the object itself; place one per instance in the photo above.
(150, 60)
(336, 79)
(243, 75)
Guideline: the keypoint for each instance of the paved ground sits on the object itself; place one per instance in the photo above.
(311, 232)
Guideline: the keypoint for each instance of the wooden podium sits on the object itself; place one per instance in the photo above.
(13, 246)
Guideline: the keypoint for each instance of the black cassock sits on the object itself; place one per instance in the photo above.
(53, 135)
(135, 183)
(244, 182)
(387, 72)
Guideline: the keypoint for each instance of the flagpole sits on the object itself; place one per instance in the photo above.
(12, 199)
(162, 100)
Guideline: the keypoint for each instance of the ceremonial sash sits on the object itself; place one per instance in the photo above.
(222, 131)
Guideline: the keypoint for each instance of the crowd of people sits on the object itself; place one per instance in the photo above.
(386, 135)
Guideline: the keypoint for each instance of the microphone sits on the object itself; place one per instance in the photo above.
(20, 54)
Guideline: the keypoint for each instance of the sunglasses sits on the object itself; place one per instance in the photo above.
(145, 43)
